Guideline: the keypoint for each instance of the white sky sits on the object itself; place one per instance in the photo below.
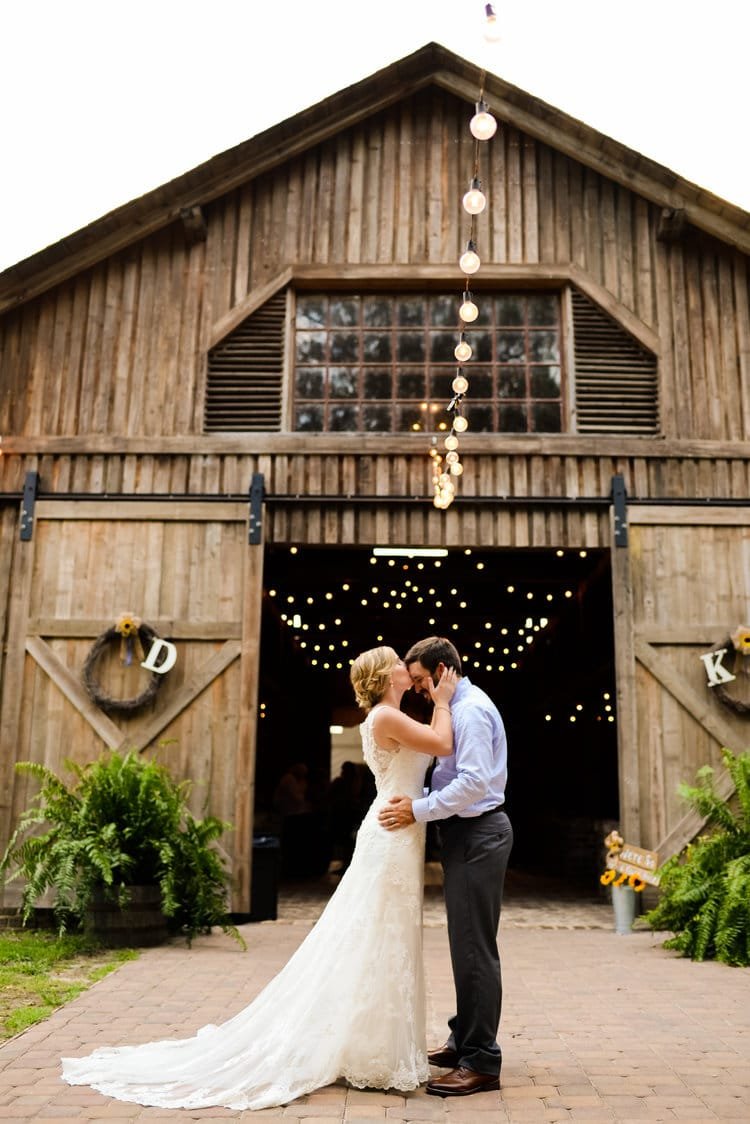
(103, 100)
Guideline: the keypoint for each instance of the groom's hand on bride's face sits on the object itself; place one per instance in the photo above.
(396, 813)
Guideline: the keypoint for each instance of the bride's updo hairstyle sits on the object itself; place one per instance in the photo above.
(371, 675)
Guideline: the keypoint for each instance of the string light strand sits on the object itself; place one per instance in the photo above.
(482, 127)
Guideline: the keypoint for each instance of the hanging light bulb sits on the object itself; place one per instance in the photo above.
(451, 442)
(460, 384)
(468, 310)
(491, 27)
(457, 468)
(482, 125)
(462, 350)
(474, 201)
(460, 424)
(452, 457)
(469, 261)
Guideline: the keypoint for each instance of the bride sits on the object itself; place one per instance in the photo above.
(350, 1002)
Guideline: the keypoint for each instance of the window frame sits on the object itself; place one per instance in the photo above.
(396, 288)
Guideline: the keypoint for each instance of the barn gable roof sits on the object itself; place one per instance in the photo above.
(431, 65)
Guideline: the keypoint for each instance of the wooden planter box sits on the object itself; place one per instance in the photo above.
(139, 924)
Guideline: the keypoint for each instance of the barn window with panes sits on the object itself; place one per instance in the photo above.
(384, 362)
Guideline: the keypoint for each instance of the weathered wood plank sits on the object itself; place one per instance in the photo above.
(692, 634)
(164, 626)
(11, 692)
(629, 700)
(608, 236)
(530, 201)
(513, 143)
(354, 210)
(738, 342)
(139, 510)
(624, 247)
(8, 541)
(547, 217)
(245, 750)
(325, 204)
(690, 516)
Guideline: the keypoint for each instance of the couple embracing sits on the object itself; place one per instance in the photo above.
(350, 1003)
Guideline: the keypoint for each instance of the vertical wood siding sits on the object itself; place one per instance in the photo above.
(486, 475)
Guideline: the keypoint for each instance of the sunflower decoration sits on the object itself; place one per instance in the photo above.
(741, 640)
(612, 878)
(128, 625)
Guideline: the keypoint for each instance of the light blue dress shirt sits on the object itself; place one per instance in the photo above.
(472, 780)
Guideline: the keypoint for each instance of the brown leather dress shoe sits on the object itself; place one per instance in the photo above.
(444, 1056)
(462, 1082)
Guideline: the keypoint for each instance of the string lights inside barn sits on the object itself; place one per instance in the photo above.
(411, 580)
(483, 126)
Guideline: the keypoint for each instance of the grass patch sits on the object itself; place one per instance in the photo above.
(40, 972)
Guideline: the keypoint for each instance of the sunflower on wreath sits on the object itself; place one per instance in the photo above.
(133, 636)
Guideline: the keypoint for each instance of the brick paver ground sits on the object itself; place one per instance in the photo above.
(596, 1027)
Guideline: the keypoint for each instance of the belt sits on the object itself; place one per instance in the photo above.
(470, 819)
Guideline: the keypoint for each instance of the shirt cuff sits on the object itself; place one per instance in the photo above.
(421, 809)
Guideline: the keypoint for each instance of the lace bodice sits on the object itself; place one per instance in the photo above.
(396, 771)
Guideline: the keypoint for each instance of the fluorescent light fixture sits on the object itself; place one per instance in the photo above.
(409, 552)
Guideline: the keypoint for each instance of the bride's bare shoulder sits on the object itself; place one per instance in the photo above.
(380, 724)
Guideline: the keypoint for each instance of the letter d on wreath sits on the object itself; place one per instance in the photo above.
(170, 656)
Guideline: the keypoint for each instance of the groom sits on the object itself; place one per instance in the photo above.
(467, 798)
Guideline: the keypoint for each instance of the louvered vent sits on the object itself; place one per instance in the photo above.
(243, 391)
(616, 385)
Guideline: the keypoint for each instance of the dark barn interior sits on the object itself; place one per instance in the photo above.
(534, 630)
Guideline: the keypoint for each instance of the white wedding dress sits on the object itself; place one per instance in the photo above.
(348, 1004)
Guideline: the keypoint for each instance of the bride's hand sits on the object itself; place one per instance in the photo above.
(446, 688)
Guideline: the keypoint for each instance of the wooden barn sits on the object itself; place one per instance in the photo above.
(218, 405)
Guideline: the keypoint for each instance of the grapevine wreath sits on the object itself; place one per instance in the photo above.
(134, 638)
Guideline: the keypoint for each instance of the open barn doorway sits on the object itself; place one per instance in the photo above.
(534, 628)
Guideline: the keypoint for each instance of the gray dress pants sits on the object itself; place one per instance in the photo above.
(474, 856)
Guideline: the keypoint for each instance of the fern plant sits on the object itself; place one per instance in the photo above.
(705, 898)
(123, 822)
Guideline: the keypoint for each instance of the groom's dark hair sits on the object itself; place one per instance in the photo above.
(434, 650)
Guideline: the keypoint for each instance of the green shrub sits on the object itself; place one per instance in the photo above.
(705, 899)
(123, 822)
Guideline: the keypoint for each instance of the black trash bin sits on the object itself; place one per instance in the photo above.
(264, 890)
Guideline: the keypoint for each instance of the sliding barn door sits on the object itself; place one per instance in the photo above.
(188, 571)
(681, 587)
